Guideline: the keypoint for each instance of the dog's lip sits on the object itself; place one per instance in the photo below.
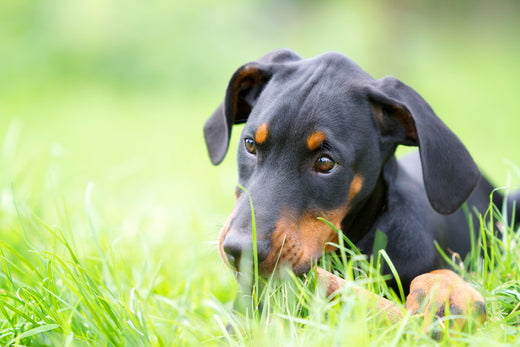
(297, 269)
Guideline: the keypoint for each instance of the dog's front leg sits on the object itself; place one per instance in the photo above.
(433, 294)
(334, 283)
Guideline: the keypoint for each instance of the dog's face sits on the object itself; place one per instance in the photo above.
(317, 134)
(296, 163)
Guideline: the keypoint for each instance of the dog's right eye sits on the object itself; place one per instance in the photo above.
(250, 145)
(324, 164)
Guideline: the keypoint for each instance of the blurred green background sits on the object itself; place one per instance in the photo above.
(115, 93)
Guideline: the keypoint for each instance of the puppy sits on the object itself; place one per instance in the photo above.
(319, 141)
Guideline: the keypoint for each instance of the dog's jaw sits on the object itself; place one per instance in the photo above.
(295, 245)
(298, 241)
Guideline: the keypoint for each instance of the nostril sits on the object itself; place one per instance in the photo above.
(231, 260)
(233, 252)
(236, 247)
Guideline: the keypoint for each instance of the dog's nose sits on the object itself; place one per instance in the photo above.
(234, 250)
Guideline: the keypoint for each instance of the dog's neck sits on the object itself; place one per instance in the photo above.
(360, 220)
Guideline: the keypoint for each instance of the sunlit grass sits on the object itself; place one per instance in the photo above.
(64, 286)
(109, 240)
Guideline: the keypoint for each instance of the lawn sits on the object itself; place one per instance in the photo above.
(110, 208)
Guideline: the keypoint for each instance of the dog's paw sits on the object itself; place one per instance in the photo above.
(442, 293)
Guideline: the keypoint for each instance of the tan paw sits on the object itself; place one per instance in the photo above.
(442, 292)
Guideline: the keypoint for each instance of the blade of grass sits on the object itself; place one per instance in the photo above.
(394, 273)
(7, 273)
(40, 329)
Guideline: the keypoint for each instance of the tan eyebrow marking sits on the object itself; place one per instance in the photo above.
(261, 133)
(315, 140)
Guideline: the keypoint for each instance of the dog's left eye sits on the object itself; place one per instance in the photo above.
(250, 145)
(324, 164)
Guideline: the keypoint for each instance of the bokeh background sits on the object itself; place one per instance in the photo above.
(102, 104)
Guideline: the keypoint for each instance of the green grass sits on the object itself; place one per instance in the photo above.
(110, 208)
(60, 289)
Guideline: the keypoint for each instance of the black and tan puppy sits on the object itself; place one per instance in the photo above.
(319, 141)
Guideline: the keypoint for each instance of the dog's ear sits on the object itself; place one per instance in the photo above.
(243, 90)
(449, 172)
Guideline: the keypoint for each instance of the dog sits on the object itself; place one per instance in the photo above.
(319, 141)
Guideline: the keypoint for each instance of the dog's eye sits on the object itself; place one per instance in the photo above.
(324, 164)
(250, 145)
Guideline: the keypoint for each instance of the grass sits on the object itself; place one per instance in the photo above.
(59, 289)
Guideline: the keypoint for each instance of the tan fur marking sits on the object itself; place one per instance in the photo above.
(434, 290)
(261, 133)
(355, 187)
(295, 241)
(315, 140)
(399, 114)
(245, 78)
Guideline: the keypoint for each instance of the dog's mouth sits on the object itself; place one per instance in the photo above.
(291, 248)
(289, 252)
(286, 257)
(292, 262)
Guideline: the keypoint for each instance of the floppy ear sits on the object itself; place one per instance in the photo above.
(242, 92)
(449, 172)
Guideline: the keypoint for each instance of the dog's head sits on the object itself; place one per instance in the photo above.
(317, 134)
